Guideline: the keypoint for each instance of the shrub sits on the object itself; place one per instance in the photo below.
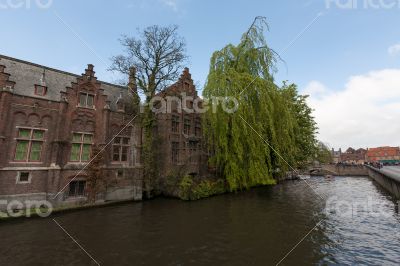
(189, 190)
(185, 187)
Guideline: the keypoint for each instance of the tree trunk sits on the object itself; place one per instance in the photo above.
(149, 162)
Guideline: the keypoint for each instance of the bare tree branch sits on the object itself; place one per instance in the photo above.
(158, 54)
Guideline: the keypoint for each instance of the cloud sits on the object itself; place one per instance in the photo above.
(366, 113)
(316, 89)
(394, 50)
(173, 4)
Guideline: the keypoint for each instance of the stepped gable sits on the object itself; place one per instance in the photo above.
(183, 85)
(5, 82)
(22, 76)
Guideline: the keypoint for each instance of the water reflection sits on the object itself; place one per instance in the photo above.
(257, 227)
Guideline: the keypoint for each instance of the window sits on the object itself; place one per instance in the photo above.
(175, 123)
(81, 147)
(29, 145)
(121, 149)
(120, 105)
(77, 189)
(192, 149)
(197, 129)
(86, 100)
(189, 105)
(186, 127)
(40, 90)
(175, 152)
(23, 178)
(120, 173)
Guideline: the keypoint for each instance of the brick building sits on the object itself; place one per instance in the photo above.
(180, 132)
(384, 155)
(50, 120)
(352, 156)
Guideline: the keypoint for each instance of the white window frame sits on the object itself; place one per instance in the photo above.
(87, 94)
(19, 182)
(81, 148)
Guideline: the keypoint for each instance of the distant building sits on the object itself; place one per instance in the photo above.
(384, 155)
(352, 156)
(336, 155)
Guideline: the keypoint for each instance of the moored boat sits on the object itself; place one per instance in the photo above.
(304, 177)
(329, 177)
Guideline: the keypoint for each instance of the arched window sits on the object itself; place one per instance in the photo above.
(120, 105)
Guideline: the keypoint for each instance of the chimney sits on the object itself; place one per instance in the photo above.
(2, 67)
(43, 79)
(132, 80)
(89, 71)
(186, 73)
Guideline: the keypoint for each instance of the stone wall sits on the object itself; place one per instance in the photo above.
(391, 184)
(340, 170)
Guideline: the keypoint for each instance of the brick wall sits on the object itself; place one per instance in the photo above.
(60, 114)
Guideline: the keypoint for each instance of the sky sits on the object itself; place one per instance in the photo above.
(345, 54)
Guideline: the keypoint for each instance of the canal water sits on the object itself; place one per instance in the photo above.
(357, 223)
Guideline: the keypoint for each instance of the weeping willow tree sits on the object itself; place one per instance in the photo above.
(304, 127)
(258, 141)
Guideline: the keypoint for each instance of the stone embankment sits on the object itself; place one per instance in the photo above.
(388, 178)
(339, 170)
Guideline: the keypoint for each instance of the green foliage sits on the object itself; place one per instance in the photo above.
(303, 126)
(185, 187)
(269, 121)
(323, 154)
(148, 151)
(190, 190)
(97, 180)
(157, 54)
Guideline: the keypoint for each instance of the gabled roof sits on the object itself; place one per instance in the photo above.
(26, 75)
(183, 85)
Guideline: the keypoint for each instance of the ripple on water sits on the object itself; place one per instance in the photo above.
(258, 227)
(364, 235)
